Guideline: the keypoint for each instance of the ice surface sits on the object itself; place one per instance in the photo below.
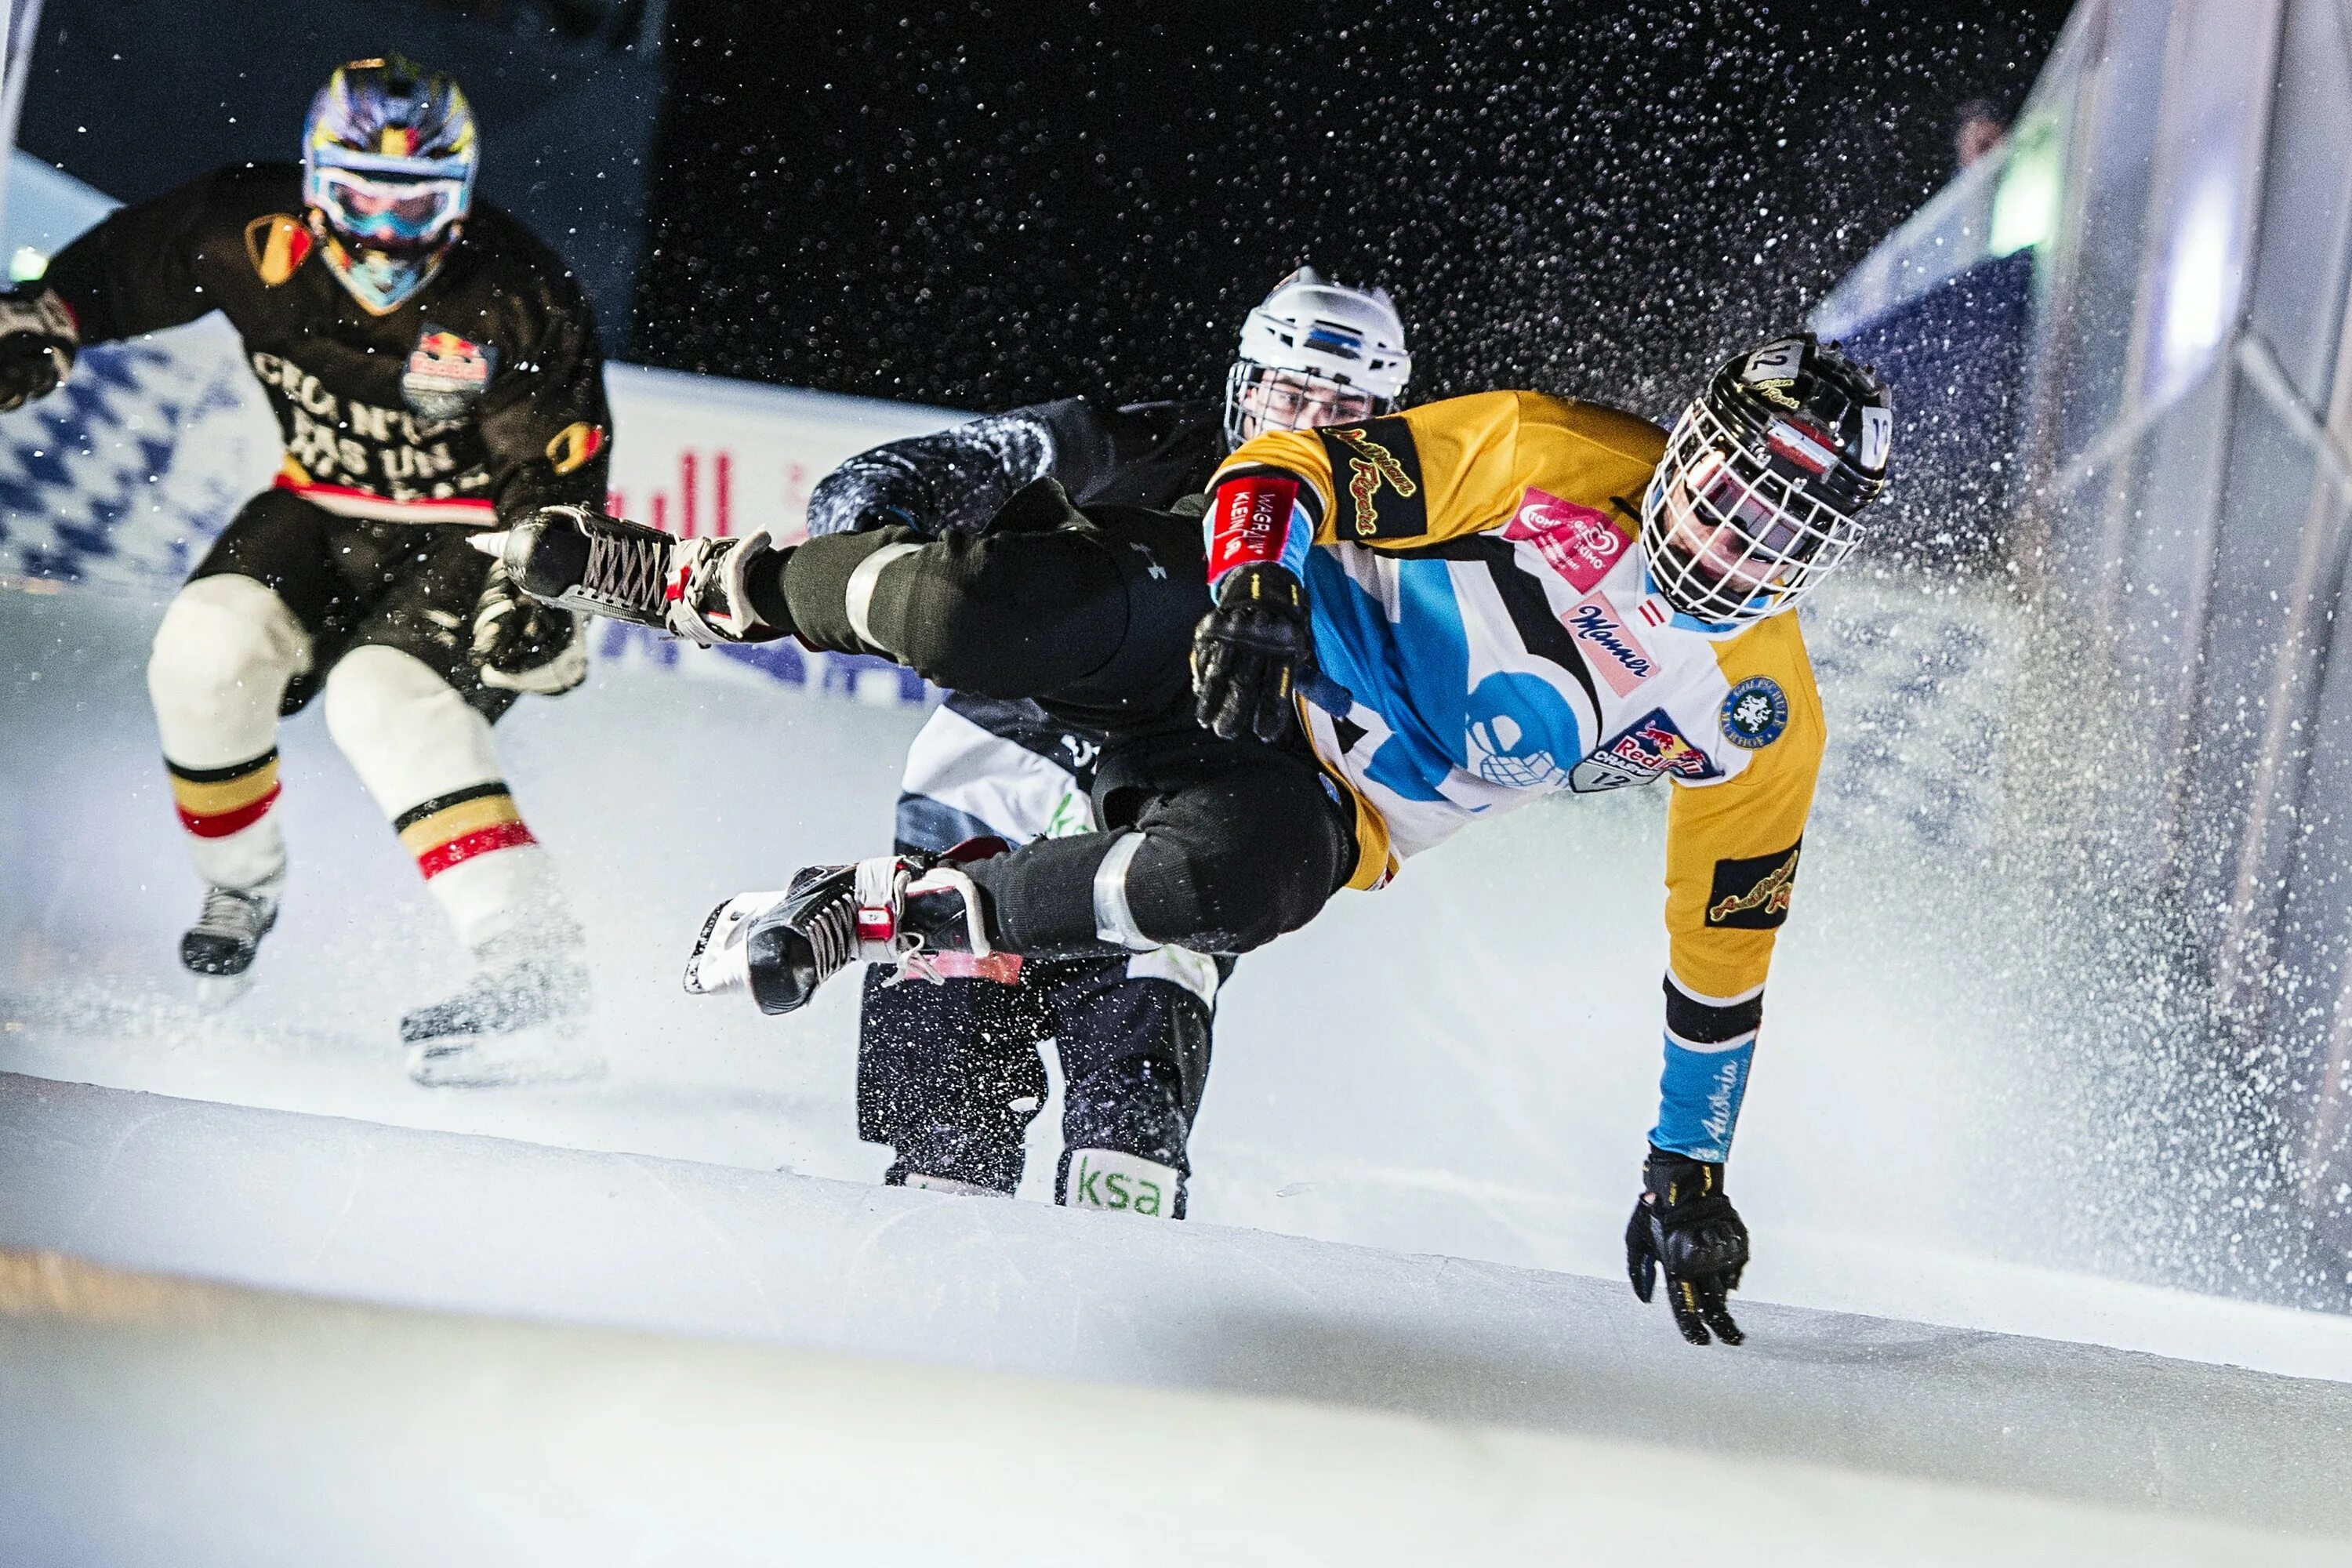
(354, 1210)
(1462, 1064)
(214, 1427)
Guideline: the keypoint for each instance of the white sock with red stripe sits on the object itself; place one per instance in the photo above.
(426, 756)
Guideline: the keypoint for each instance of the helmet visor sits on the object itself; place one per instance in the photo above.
(387, 211)
(1730, 539)
(1259, 398)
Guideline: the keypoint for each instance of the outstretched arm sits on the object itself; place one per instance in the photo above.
(955, 480)
(1732, 850)
(137, 269)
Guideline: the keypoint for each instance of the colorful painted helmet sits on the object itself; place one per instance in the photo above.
(1315, 353)
(1756, 500)
(389, 157)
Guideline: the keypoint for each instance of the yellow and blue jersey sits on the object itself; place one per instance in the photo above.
(1486, 632)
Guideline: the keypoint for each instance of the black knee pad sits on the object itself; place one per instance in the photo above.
(1229, 865)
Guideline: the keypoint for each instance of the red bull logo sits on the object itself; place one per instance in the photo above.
(445, 373)
(1653, 746)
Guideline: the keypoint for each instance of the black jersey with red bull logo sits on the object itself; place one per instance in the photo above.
(480, 395)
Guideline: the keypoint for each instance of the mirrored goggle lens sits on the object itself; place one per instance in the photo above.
(398, 209)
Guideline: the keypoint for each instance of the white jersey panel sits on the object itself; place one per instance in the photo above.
(1020, 794)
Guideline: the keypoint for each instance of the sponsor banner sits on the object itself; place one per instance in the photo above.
(123, 477)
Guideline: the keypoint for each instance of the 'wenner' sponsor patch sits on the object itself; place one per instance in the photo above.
(1610, 646)
(1376, 473)
(1753, 895)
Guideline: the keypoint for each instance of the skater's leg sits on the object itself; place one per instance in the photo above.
(425, 755)
(1095, 612)
(949, 1077)
(1231, 845)
(223, 657)
(406, 708)
(1134, 1037)
(1215, 845)
(237, 649)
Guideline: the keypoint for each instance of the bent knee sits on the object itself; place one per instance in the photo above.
(225, 639)
(1222, 895)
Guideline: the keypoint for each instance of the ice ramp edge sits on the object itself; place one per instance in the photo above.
(146, 1419)
(940, 1289)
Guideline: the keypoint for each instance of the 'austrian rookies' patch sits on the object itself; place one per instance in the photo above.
(1753, 895)
(1376, 475)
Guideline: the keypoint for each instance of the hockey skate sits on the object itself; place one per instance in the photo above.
(579, 560)
(521, 1018)
(904, 910)
(219, 949)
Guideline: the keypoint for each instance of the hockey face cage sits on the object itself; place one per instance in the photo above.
(1730, 537)
(1263, 397)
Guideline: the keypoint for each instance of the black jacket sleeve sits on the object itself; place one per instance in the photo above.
(138, 270)
(951, 481)
(957, 480)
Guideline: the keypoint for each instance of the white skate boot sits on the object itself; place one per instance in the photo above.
(219, 949)
(523, 1018)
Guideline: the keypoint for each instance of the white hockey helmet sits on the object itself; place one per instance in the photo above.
(1315, 352)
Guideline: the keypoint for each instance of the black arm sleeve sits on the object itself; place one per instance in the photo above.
(951, 481)
(136, 271)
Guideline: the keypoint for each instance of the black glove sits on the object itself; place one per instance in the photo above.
(38, 342)
(1684, 1225)
(1251, 652)
(521, 645)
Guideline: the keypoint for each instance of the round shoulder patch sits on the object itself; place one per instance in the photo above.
(1754, 713)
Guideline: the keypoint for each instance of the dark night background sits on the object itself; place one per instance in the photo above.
(981, 204)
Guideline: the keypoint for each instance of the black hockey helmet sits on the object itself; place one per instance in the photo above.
(1756, 498)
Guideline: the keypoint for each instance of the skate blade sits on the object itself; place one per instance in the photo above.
(720, 960)
(550, 1053)
(215, 992)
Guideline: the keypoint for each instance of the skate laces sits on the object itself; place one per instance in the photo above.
(879, 895)
(913, 961)
(230, 912)
(628, 568)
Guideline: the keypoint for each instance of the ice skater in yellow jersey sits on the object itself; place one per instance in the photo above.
(1378, 632)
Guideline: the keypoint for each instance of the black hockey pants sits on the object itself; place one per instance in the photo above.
(1217, 846)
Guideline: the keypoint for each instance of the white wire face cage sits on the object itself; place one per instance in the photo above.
(1729, 540)
(1302, 400)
